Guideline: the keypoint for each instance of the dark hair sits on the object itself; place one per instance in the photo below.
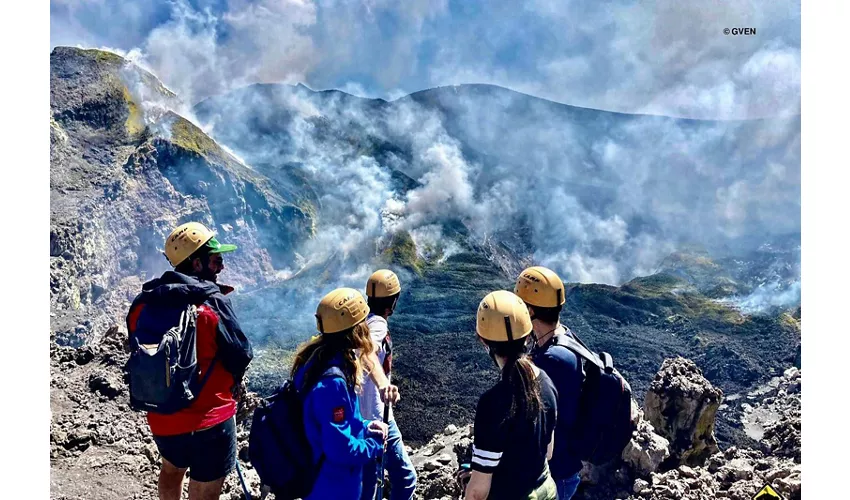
(548, 315)
(518, 373)
(350, 345)
(380, 304)
(202, 253)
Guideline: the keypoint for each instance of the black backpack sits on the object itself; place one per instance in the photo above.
(277, 445)
(163, 365)
(603, 425)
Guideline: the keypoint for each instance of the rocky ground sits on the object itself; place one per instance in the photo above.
(99, 448)
(640, 324)
(673, 454)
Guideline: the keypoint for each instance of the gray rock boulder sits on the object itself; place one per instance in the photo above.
(437, 462)
(681, 405)
(647, 450)
(738, 473)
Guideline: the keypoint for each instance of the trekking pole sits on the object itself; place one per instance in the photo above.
(238, 468)
(242, 480)
(380, 493)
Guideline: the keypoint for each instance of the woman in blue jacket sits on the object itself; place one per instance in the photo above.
(329, 372)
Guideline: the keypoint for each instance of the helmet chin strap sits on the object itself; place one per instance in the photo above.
(533, 317)
(531, 344)
(392, 307)
(534, 344)
(492, 355)
(533, 333)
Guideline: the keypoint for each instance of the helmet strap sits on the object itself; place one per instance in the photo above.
(493, 357)
(508, 329)
(392, 307)
(531, 344)
(550, 335)
(490, 352)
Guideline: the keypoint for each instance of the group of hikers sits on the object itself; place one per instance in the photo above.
(525, 442)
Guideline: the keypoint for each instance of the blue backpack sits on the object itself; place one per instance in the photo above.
(277, 445)
(163, 364)
(603, 425)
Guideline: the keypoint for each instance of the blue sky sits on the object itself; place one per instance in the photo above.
(649, 57)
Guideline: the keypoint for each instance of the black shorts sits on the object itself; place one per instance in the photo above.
(209, 454)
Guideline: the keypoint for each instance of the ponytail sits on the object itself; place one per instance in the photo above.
(518, 373)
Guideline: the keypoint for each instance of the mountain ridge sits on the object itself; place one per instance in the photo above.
(421, 94)
(316, 205)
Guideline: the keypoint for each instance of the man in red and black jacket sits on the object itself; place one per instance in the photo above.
(201, 437)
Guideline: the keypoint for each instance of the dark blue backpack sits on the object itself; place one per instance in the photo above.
(163, 365)
(277, 445)
(603, 425)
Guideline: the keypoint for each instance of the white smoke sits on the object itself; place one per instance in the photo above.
(768, 297)
(201, 53)
(431, 245)
(445, 191)
(602, 201)
(582, 268)
(602, 205)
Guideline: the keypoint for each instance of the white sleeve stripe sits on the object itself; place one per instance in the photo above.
(485, 453)
(484, 462)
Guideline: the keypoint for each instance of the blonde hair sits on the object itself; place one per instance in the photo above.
(350, 345)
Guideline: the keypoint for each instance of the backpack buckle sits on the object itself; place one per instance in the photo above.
(607, 362)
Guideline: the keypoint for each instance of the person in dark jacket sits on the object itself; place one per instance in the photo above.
(202, 437)
(342, 441)
(543, 293)
(515, 419)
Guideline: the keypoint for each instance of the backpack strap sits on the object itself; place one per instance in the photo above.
(333, 371)
(571, 342)
(189, 319)
(206, 376)
(603, 360)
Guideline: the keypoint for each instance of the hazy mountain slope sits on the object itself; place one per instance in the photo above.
(598, 196)
(442, 369)
(502, 179)
(122, 177)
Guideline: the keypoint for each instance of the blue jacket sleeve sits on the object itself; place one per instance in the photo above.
(343, 435)
(234, 349)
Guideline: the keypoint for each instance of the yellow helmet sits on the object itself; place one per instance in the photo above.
(502, 316)
(340, 310)
(541, 287)
(187, 238)
(382, 283)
